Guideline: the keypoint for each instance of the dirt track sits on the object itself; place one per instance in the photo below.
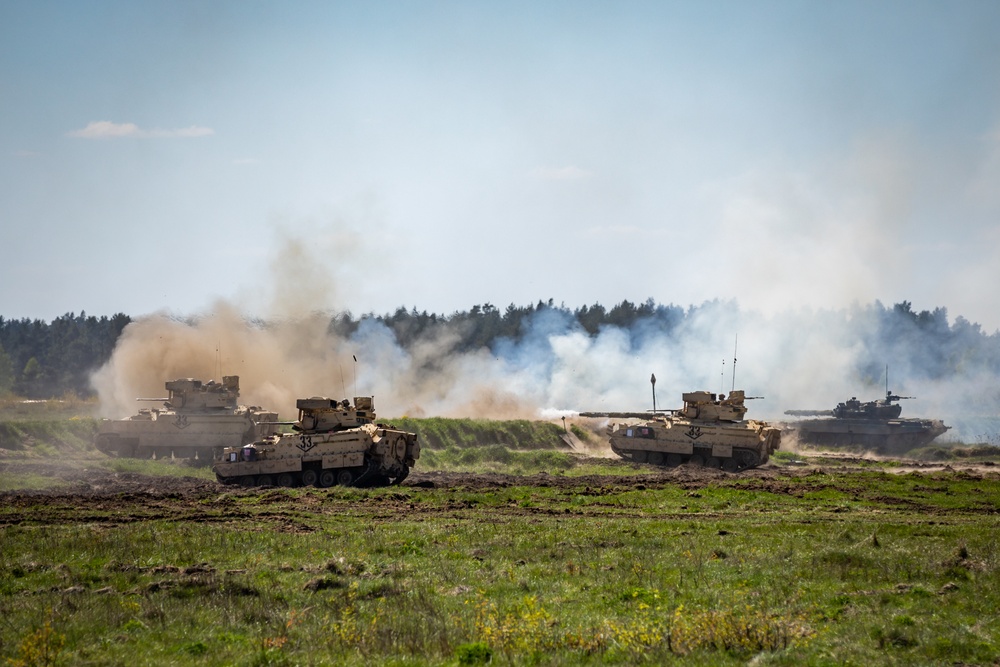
(87, 484)
(102, 498)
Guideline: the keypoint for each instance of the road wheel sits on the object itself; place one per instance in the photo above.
(639, 456)
(674, 460)
(285, 479)
(309, 478)
(344, 477)
(656, 458)
(327, 479)
(248, 481)
(264, 480)
(712, 462)
(730, 465)
(697, 460)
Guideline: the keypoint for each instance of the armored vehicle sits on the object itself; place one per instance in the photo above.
(708, 431)
(197, 420)
(332, 442)
(874, 425)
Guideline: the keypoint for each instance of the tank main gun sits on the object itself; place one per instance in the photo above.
(809, 413)
(627, 415)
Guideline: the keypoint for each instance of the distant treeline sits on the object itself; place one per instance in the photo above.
(485, 325)
(925, 343)
(922, 342)
(47, 360)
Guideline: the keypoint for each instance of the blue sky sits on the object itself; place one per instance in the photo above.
(166, 156)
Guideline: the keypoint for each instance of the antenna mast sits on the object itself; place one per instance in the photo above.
(355, 373)
(735, 343)
(652, 381)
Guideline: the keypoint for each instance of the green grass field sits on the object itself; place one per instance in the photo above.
(814, 560)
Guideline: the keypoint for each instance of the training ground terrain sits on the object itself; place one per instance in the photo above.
(498, 553)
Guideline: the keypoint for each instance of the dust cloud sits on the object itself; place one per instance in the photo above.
(798, 359)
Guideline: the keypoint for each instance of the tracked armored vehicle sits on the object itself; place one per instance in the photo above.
(197, 420)
(708, 431)
(873, 425)
(332, 442)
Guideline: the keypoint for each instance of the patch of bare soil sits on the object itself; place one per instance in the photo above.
(95, 482)
(684, 476)
(98, 496)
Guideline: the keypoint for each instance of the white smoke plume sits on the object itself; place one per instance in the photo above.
(793, 359)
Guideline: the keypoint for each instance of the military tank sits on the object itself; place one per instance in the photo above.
(197, 420)
(708, 431)
(332, 442)
(873, 425)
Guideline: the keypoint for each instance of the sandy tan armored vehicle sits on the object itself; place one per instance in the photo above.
(333, 442)
(197, 420)
(708, 431)
(874, 425)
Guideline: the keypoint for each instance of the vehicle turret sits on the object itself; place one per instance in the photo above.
(190, 394)
(321, 415)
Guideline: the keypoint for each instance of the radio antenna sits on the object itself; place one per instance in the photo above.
(735, 343)
(355, 373)
(652, 381)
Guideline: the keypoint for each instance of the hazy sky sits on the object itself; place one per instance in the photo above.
(369, 155)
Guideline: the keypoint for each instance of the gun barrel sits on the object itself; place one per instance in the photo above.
(153, 399)
(809, 413)
(625, 415)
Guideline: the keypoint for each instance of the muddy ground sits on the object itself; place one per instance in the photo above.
(98, 486)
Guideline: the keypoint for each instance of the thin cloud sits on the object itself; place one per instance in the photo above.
(570, 173)
(105, 129)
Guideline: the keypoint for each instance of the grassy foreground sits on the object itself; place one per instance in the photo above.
(830, 567)
(595, 562)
